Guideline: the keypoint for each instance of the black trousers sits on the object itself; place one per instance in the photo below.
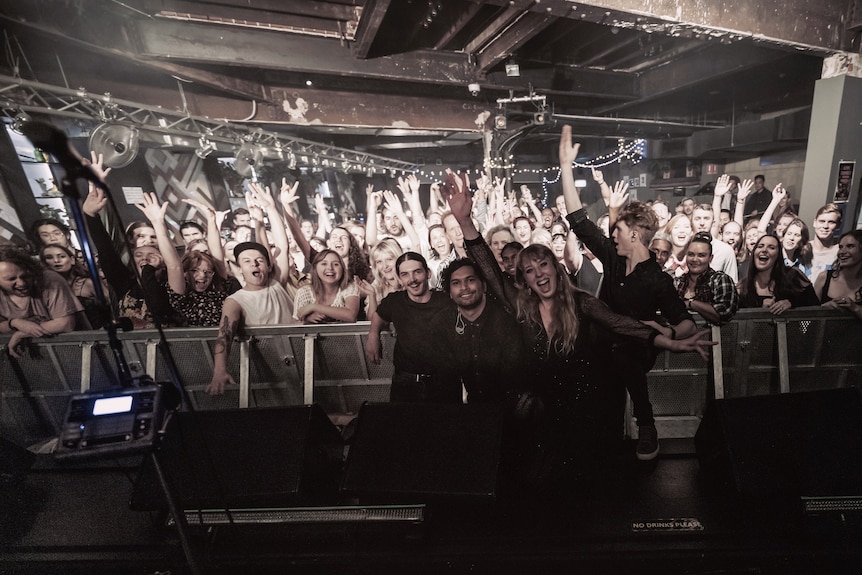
(423, 388)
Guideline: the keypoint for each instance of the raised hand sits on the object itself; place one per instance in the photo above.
(744, 189)
(619, 195)
(97, 165)
(392, 202)
(95, 201)
(288, 194)
(598, 176)
(460, 201)
(568, 150)
(778, 192)
(200, 206)
(722, 185)
(154, 212)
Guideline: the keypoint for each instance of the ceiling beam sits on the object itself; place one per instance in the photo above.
(817, 26)
(504, 19)
(220, 82)
(692, 69)
(253, 17)
(463, 19)
(369, 25)
(517, 34)
(311, 8)
(188, 42)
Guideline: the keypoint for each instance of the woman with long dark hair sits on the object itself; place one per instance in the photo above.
(770, 283)
(62, 260)
(841, 287)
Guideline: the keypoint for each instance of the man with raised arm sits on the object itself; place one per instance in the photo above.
(263, 300)
(634, 285)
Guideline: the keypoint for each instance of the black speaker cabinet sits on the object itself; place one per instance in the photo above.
(790, 445)
(245, 458)
(14, 463)
(416, 453)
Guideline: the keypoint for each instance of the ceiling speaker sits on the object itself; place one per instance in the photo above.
(248, 158)
(117, 143)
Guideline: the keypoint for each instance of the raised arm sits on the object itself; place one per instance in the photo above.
(372, 204)
(324, 226)
(263, 197)
(744, 189)
(531, 203)
(722, 186)
(393, 203)
(155, 213)
(213, 233)
(617, 199)
(568, 154)
(778, 194)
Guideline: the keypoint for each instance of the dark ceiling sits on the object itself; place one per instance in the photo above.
(391, 76)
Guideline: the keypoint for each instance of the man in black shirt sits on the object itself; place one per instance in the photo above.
(758, 200)
(634, 285)
(412, 312)
(478, 342)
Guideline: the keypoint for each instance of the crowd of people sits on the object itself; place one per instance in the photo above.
(494, 296)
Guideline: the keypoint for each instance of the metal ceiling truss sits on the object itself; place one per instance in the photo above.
(18, 95)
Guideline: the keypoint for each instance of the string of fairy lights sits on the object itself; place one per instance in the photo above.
(632, 152)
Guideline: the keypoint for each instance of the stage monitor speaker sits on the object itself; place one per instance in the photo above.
(14, 463)
(790, 445)
(421, 453)
(245, 458)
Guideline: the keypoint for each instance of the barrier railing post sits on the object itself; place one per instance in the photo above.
(86, 367)
(783, 359)
(717, 363)
(244, 376)
(308, 378)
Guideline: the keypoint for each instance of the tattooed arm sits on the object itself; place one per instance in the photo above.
(230, 318)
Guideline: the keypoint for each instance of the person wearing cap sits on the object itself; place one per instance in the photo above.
(263, 300)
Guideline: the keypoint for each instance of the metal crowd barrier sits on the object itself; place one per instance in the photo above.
(757, 354)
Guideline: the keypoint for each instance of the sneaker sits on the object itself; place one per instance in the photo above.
(647, 446)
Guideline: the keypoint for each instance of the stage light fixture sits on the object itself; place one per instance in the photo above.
(116, 143)
(205, 148)
(500, 122)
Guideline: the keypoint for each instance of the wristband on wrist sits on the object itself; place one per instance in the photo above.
(672, 333)
(12, 327)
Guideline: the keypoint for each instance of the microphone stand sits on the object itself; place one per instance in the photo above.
(55, 142)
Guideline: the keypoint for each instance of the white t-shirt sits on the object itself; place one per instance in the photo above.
(269, 306)
(724, 260)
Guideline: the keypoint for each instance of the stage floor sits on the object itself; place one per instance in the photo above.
(662, 516)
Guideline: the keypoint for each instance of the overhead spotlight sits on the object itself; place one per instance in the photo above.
(205, 148)
(500, 122)
(116, 143)
(291, 159)
(540, 118)
(19, 120)
(513, 70)
(248, 159)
